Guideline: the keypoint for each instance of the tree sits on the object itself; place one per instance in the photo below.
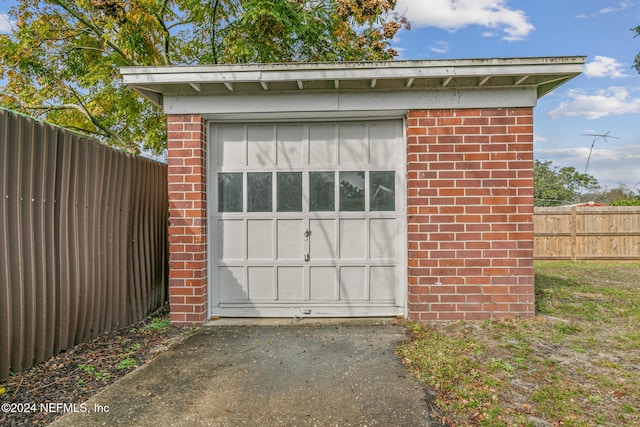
(62, 60)
(621, 195)
(554, 187)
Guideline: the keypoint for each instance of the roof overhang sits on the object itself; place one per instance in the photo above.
(269, 87)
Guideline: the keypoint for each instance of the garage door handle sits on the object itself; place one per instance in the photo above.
(307, 257)
(307, 234)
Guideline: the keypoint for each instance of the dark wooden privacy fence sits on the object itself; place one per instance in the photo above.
(575, 233)
(83, 246)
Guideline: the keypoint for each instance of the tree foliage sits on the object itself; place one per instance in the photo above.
(62, 60)
(621, 195)
(555, 186)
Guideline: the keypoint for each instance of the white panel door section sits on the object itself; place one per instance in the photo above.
(307, 219)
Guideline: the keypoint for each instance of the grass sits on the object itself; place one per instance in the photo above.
(576, 364)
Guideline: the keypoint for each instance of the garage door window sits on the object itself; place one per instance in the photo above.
(289, 191)
(259, 191)
(259, 197)
(230, 192)
(352, 191)
(382, 191)
(322, 192)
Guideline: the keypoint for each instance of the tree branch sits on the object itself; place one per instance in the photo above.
(177, 24)
(213, 32)
(167, 36)
(97, 123)
(86, 48)
(95, 30)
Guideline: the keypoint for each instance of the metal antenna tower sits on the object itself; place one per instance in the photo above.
(596, 137)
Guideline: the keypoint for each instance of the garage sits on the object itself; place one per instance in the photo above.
(348, 189)
(308, 219)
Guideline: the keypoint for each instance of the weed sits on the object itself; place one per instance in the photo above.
(126, 363)
(134, 347)
(556, 401)
(501, 365)
(627, 409)
(607, 364)
(157, 324)
(91, 370)
(567, 328)
(595, 399)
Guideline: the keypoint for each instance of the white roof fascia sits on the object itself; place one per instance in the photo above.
(177, 83)
(335, 103)
(351, 70)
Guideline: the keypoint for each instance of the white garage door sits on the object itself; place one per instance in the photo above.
(307, 219)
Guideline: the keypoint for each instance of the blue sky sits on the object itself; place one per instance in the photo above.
(606, 97)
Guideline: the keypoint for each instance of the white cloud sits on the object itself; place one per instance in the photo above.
(455, 14)
(439, 47)
(5, 23)
(603, 66)
(606, 10)
(538, 138)
(621, 6)
(601, 103)
(611, 162)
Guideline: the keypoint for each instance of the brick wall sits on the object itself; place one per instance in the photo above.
(470, 215)
(470, 207)
(187, 219)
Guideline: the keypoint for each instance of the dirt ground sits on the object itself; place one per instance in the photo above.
(575, 364)
(77, 374)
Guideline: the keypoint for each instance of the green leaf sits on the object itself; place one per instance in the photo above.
(62, 61)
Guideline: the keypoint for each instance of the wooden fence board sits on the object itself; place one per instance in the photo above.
(584, 233)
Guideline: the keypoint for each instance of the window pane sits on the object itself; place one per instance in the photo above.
(382, 195)
(352, 191)
(322, 192)
(229, 192)
(259, 194)
(289, 191)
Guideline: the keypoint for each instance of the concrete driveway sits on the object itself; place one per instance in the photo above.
(283, 374)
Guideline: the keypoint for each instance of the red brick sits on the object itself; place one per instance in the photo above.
(449, 121)
(450, 315)
(494, 130)
(467, 147)
(467, 130)
(452, 298)
(502, 120)
(416, 131)
(493, 112)
(520, 129)
(467, 112)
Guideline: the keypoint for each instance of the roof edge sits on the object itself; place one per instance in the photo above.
(355, 65)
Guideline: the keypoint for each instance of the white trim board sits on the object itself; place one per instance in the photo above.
(356, 104)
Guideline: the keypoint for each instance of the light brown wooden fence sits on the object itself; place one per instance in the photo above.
(83, 240)
(585, 233)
